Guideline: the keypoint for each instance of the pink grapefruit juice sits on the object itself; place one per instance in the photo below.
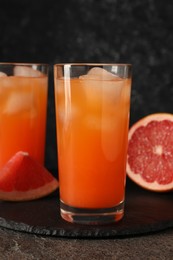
(23, 105)
(92, 126)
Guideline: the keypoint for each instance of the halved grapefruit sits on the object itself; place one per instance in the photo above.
(23, 178)
(150, 152)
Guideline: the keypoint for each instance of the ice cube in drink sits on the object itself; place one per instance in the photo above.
(2, 74)
(26, 71)
(103, 92)
(19, 102)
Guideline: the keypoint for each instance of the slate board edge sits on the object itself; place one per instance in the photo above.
(96, 233)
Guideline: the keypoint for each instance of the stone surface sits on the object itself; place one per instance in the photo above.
(15, 246)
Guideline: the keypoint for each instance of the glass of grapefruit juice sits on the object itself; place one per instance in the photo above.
(23, 108)
(92, 103)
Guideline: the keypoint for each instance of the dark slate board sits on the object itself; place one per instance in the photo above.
(145, 212)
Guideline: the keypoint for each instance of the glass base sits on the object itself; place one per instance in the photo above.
(91, 216)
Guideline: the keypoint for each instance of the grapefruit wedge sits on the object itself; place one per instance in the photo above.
(23, 178)
(150, 152)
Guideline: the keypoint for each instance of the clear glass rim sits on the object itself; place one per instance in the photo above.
(24, 64)
(93, 64)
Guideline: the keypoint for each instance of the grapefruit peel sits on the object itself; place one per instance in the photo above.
(136, 153)
(22, 179)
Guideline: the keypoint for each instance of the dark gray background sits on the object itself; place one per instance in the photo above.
(137, 32)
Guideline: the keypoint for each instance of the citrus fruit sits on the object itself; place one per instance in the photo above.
(23, 178)
(150, 152)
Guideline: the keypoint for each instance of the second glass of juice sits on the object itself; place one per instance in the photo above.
(92, 114)
(23, 108)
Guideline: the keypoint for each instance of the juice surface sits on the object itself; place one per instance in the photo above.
(92, 125)
(23, 108)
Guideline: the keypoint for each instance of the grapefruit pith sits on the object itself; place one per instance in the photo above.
(150, 152)
(23, 178)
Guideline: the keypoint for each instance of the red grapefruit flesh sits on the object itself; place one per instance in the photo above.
(23, 178)
(150, 152)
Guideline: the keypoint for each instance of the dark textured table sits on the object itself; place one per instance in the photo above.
(146, 231)
(15, 246)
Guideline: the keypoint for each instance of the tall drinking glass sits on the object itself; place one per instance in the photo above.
(23, 108)
(92, 117)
